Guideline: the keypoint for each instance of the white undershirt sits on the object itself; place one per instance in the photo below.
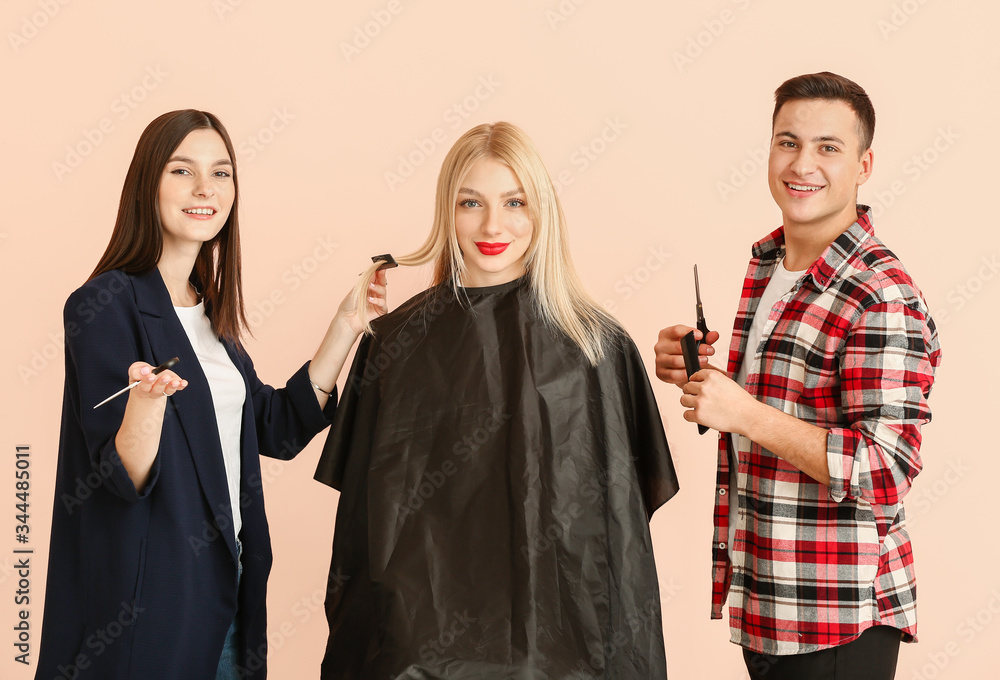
(228, 394)
(781, 282)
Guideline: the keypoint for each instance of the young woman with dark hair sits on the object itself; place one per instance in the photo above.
(160, 551)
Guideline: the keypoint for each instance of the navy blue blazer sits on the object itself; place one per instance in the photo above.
(144, 584)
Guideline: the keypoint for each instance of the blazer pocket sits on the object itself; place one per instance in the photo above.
(137, 592)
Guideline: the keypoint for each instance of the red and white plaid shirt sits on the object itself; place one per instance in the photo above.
(852, 349)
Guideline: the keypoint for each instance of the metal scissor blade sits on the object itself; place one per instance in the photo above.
(697, 288)
(699, 311)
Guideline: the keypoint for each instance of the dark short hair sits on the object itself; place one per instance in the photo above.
(828, 85)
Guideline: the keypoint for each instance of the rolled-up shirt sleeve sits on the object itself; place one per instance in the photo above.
(886, 371)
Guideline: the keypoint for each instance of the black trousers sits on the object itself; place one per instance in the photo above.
(872, 656)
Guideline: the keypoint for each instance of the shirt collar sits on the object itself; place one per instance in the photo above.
(833, 259)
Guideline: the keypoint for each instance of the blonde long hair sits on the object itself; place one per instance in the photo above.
(555, 286)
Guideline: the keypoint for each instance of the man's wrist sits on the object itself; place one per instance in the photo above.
(755, 417)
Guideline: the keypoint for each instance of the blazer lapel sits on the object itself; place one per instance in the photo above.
(194, 407)
(249, 450)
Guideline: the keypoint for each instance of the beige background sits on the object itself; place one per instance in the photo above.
(654, 118)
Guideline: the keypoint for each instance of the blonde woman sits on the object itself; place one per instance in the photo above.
(499, 453)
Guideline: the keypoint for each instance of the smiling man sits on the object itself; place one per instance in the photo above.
(832, 360)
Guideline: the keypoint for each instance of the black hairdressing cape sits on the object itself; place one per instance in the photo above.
(495, 496)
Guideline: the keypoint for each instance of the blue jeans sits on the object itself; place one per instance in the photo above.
(229, 661)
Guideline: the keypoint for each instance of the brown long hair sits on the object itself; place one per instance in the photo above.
(137, 241)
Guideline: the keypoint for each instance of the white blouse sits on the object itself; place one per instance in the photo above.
(228, 395)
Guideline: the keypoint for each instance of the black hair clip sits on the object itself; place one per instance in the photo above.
(389, 263)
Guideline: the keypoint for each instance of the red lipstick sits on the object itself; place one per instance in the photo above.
(487, 248)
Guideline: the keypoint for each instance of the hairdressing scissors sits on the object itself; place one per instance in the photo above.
(156, 371)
